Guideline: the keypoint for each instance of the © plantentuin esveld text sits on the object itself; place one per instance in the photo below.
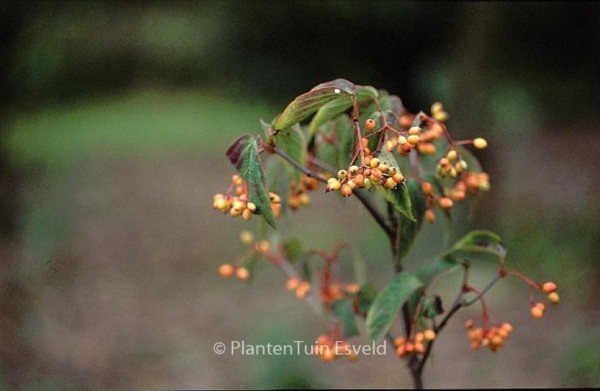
(404, 168)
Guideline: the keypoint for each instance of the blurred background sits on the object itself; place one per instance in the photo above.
(114, 121)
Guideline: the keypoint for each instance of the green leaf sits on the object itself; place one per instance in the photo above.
(337, 106)
(309, 102)
(243, 154)
(399, 197)
(292, 142)
(388, 302)
(365, 297)
(409, 228)
(475, 245)
(342, 309)
(345, 133)
(292, 249)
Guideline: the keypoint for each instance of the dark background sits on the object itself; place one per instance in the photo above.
(114, 119)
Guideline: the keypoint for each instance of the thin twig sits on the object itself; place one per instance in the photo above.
(297, 165)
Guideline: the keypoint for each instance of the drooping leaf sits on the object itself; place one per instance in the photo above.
(473, 246)
(279, 175)
(388, 302)
(410, 228)
(337, 106)
(243, 154)
(342, 309)
(311, 101)
(293, 143)
(399, 196)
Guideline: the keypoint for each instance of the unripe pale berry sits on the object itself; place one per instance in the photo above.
(370, 124)
(342, 174)
(304, 199)
(392, 171)
(437, 106)
(553, 297)
(383, 167)
(480, 143)
(452, 155)
(246, 214)
(389, 146)
(335, 185)
(367, 184)
(251, 206)
(352, 184)
(264, 246)
(414, 131)
(374, 162)
(275, 199)
(353, 170)
(226, 270)
(440, 116)
(242, 273)
(429, 335)
(246, 237)
(413, 139)
(402, 140)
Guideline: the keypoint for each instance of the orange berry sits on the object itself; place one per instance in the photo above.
(430, 216)
(419, 348)
(302, 289)
(304, 199)
(242, 273)
(398, 178)
(365, 142)
(399, 341)
(541, 306)
(507, 326)
(328, 355)
(346, 190)
(401, 351)
(383, 167)
(537, 312)
(410, 347)
(402, 140)
(419, 337)
(553, 297)
(475, 345)
(352, 287)
(247, 214)
(549, 287)
(427, 188)
(375, 172)
(359, 180)
(292, 284)
(469, 324)
(226, 270)
(405, 148)
(446, 203)
(370, 124)
(389, 146)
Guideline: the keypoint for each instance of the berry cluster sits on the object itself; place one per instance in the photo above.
(298, 191)
(239, 205)
(415, 345)
(538, 309)
(301, 287)
(227, 270)
(492, 338)
(329, 348)
(374, 172)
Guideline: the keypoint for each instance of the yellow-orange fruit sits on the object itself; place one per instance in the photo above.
(430, 216)
(553, 297)
(480, 143)
(346, 190)
(446, 203)
(292, 284)
(242, 273)
(537, 312)
(549, 287)
(370, 124)
(226, 270)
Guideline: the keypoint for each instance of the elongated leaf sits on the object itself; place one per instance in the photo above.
(311, 101)
(410, 228)
(475, 245)
(337, 106)
(388, 302)
(292, 142)
(399, 197)
(342, 309)
(243, 154)
(279, 174)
